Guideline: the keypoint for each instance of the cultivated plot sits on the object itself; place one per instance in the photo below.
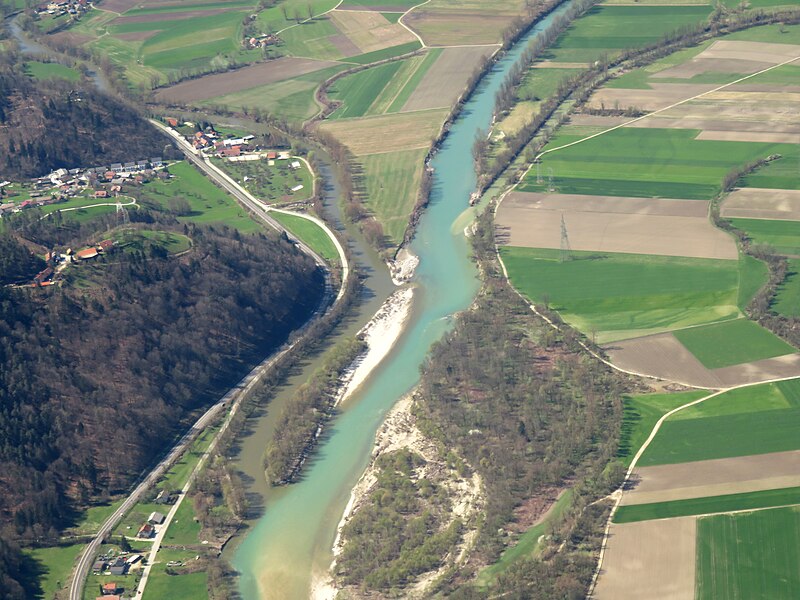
(762, 203)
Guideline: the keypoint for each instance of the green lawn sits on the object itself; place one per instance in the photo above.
(610, 29)
(310, 233)
(640, 415)
(178, 474)
(208, 204)
(616, 295)
(393, 181)
(708, 505)
(787, 300)
(732, 343)
(39, 70)
(753, 275)
(146, 240)
(161, 585)
(272, 184)
(783, 236)
(749, 556)
(93, 517)
(753, 420)
(56, 564)
(667, 163)
(528, 543)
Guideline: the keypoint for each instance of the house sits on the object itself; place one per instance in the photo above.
(130, 167)
(235, 151)
(272, 155)
(98, 567)
(133, 559)
(156, 162)
(86, 254)
(164, 497)
(109, 589)
(101, 194)
(295, 164)
(118, 570)
(111, 597)
(172, 122)
(146, 531)
(106, 245)
(117, 168)
(156, 518)
(141, 165)
(44, 275)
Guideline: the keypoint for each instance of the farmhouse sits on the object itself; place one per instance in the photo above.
(146, 531)
(108, 589)
(156, 518)
(86, 253)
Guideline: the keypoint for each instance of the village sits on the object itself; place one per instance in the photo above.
(73, 8)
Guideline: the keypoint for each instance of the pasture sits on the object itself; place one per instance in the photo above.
(782, 236)
(393, 181)
(750, 555)
(708, 505)
(271, 183)
(732, 343)
(40, 70)
(56, 565)
(162, 584)
(625, 295)
(309, 232)
(667, 163)
(360, 91)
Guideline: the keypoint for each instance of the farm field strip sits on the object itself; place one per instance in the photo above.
(783, 236)
(762, 203)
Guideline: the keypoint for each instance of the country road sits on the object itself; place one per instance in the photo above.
(237, 393)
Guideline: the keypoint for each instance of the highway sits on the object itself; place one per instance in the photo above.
(236, 394)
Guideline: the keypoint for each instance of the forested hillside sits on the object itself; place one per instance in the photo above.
(53, 123)
(97, 376)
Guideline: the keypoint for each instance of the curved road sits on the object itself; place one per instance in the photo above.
(235, 394)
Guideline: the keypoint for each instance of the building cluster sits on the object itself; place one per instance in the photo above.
(57, 261)
(103, 182)
(148, 530)
(211, 143)
(261, 41)
(74, 8)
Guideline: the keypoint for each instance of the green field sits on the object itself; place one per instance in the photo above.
(732, 343)
(383, 54)
(39, 70)
(310, 233)
(753, 275)
(708, 505)
(359, 91)
(183, 530)
(749, 556)
(207, 203)
(667, 163)
(606, 30)
(93, 517)
(640, 415)
(400, 4)
(56, 564)
(188, 586)
(147, 241)
(393, 181)
(615, 295)
(782, 236)
(787, 300)
(753, 420)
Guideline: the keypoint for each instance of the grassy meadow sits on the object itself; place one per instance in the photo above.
(787, 300)
(271, 183)
(615, 294)
(40, 70)
(56, 564)
(187, 586)
(732, 343)
(782, 236)
(750, 555)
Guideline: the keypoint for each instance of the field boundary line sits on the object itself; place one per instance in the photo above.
(671, 106)
(619, 492)
(411, 31)
(402, 87)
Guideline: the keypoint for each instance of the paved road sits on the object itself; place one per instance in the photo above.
(235, 394)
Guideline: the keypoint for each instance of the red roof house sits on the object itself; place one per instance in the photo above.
(87, 253)
(172, 122)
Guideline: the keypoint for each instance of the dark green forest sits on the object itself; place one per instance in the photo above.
(99, 376)
(52, 124)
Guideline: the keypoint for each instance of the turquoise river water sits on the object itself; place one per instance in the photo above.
(292, 542)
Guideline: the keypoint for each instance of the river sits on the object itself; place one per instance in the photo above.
(291, 543)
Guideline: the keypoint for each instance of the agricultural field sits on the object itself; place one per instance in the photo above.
(185, 586)
(787, 300)
(613, 296)
(782, 236)
(40, 70)
(56, 565)
(750, 555)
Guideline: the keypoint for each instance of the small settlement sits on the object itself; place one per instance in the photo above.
(74, 8)
(58, 261)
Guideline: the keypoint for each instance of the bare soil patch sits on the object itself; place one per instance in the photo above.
(649, 559)
(344, 45)
(452, 28)
(728, 56)
(70, 37)
(750, 136)
(763, 203)
(612, 224)
(715, 477)
(219, 84)
(445, 80)
(587, 120)
(387, 133)
(760, 370)
(551, 64)
(375, 7)
(662, 356)
(370, 31)
(118, 6)
(661, 96)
